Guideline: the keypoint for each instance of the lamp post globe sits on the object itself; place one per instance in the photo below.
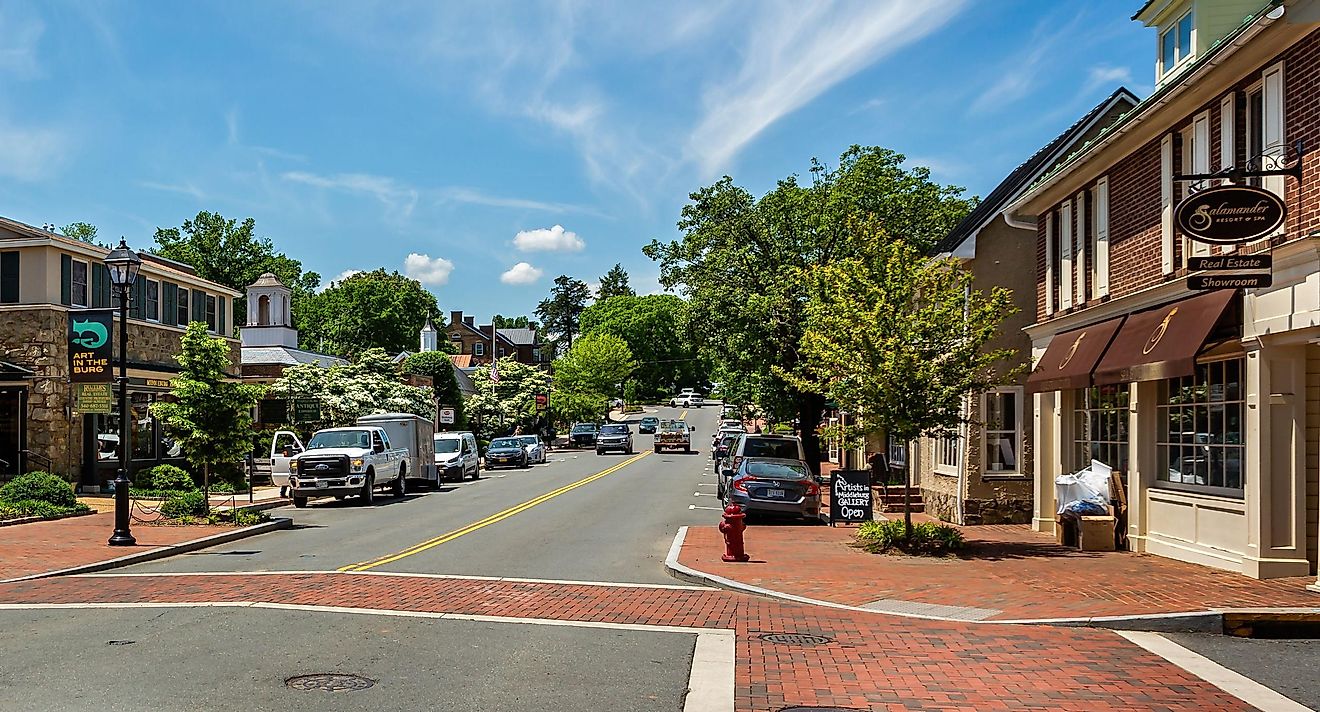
(123, 264)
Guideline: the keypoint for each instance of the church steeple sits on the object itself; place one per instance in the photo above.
(429, 337)
(269, 314)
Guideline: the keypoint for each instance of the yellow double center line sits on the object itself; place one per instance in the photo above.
(492, 519)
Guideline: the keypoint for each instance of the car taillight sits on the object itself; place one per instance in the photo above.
(813, 489)
(740, 484)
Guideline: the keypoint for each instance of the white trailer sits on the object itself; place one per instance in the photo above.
(416, 434)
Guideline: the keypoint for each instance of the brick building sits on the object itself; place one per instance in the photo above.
(474, 341)
(1206, 402)
(45, 277)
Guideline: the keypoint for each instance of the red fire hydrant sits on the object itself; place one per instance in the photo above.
(732, 528)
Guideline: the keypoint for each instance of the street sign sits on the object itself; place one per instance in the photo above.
(542, 401)
(93, 398)
(1230, 281)
(446, 416)
(850, 497)
(1230, 214)
(1229, 262)
(306, 410)
(90, 348)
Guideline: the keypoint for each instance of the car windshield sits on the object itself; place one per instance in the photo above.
(443, 445)
(728, 440)
(340, 438)
(614, 430)
(529, 440)
(650, 421)
(584, 428)
(762, 447)
(779, 470)
(506, 443)
(671, 426)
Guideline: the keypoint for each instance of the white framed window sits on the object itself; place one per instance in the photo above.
(455, 336)
(1176, 44)
(502, 352)
(1100, 426)
(151, 301)
(1001, 418)
(78, 284)
(479, 349)
(1200, 441)
(897, 451)
(948, 453)
(210, 314)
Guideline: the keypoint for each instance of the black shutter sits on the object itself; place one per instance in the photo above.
(66, 280)
(139, 303)
(221, 326)
(169, 303)
(198, 305)
(100, 285)
(8, 278)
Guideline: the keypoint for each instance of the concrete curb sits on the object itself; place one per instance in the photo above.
(1211, 621)
(163, 551)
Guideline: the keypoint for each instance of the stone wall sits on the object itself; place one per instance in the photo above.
(942, 505)
(1004, 510)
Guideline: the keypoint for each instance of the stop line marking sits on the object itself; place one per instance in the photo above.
(713, 509)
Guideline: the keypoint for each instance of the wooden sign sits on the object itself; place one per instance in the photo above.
(1230, 214)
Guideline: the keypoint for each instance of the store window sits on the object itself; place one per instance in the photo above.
(184, 318)
(1200, 430)
(78, 284)
(151, 304)
(143, 426)
(210, 313)
(1100, 426)
(1003, 430)
(947, 454)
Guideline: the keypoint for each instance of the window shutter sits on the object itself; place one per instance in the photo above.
(139, 303)
(1166, 204)
(1200, 164)
(221, 326)
(1272, 125)
(1227, 132)
(1102, 237)
(198, 300)
(99, 275)
(66, 280)
(9, 277)
(169, 303)
(1066, 255)
(1049, 263)
(1080, 253)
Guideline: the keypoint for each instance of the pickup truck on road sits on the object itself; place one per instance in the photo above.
(674, 435)
(347, 461)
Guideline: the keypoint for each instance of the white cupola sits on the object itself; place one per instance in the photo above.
(269, 314)
(429, 337)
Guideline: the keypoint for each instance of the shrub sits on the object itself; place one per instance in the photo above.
(34, 508)
(39, 487)
(184, 504)
(166, 478)
(927, 537)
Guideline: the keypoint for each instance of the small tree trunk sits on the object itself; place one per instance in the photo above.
(206, 486)
(907, 491)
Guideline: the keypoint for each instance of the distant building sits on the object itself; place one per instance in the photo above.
(468, 339)
(269, 340)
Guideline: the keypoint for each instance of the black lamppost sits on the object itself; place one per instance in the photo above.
(123, 264)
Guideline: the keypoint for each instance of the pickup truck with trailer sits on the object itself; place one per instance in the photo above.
(339, 462)
(414, 434)
(674, 435)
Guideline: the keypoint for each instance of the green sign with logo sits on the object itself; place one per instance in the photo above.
(306, 410)
(90, 349)
(93, 398)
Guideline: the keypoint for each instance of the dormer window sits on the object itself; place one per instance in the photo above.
(1176, 44)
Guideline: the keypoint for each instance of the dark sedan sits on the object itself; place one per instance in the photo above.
(763, 485)
(648, 425)
(506, 452)
(583, 435)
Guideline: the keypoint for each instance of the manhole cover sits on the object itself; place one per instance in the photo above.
(329, 682)
(796, 639)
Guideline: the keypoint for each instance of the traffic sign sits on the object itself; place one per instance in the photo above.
(447, 416)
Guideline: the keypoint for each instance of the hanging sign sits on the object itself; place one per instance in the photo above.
(542, 401)
(306, 410)
(850, 497)
(1230, 281)
(93, 398)
(90, 348)
(1228, 263)
(1230, 214)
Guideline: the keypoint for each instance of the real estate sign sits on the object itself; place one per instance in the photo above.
(90, 346)
(93, 398)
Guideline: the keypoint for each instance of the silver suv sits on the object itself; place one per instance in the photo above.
(783, 447)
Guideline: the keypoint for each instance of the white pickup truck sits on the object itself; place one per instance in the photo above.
(347, 461)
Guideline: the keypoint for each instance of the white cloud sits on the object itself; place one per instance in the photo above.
(185, 188)
(1103, 74)
(793, 54)
(551, 239)
(31, 153)
(326, 284)
(399, 199)
(431, 271)
(521, 273)
(19, 37)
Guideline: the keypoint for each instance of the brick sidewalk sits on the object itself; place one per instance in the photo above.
(1008, 573)
(873, 662)
(27, 549)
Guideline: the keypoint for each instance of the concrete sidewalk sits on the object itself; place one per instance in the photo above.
(1008, 573)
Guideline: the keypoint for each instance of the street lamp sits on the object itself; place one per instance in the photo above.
(123, 264)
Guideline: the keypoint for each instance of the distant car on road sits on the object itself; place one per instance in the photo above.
(673, 434)
(616, 436)
(583, 435)
(648, 425)
(456, 455)
(776, 486)
(687, 398)
(506, 452)
(535, 448)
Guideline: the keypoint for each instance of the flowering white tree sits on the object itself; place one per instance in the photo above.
(346, 392)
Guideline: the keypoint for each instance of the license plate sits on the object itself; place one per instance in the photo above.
(774, 493)
(322, 484)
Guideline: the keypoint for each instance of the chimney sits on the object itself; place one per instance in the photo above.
(468, 319)
(455, 317)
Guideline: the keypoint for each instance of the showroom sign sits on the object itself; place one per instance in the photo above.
(1230, 214)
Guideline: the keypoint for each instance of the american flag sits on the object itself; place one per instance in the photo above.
(495, 371)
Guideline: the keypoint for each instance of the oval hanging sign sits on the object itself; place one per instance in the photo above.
(1230, 214)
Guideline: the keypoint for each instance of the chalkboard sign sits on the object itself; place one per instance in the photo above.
(850, 497)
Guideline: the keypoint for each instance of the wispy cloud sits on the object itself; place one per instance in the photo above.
(20, 34)
(548, 239)
(1106, 75)
(431, 271)
(521, 273)
(397, 198)
(185, 188)
(32, 153)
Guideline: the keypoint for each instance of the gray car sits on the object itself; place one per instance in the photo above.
(764, 485)
(614, 437)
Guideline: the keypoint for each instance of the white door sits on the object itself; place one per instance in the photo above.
(283, 446)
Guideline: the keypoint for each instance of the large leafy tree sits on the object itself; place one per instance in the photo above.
(743, 263)
(561, 311)
(615, 284)
(444, 383)
(346, 392)
(901, 339)
(229, 252)
(596, 366)
(659, 335)
(211, 414)
(509, 402)
(513, 322)
(82, 231)
(366, 310)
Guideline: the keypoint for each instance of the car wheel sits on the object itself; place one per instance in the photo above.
(368, 494)
(300, 502)
(526, 462)
(400, 487)
(687, 450)
(476, 473)
(657, 448)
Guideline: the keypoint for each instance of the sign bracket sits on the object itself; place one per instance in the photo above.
(1279, 165)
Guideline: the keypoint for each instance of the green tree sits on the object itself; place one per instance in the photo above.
(508, 403)
(614, 284)
(444, 382)
(519, 322)
(229, 252)
(743, 263)
(211, 415)
(82, 231)
(345, 392)
(659, 335)
(560, 312)
(594, 368)
(366, 310)
(901, 339)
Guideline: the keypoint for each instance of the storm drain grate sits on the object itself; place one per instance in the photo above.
(798, 639)
(329, 682)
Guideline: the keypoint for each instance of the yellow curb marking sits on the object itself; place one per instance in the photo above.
(492, 519)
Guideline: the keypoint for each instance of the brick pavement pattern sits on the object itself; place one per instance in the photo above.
(27, 549)
(874, 661)
(1021, 573)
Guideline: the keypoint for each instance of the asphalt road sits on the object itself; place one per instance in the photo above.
(616, 527)
(1289, 667)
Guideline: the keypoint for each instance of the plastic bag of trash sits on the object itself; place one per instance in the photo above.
(1084, 508)
(1087, 485)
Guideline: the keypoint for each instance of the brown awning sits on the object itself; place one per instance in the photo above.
(1068, 360)
(1163, 342)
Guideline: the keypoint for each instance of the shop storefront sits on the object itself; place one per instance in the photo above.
(13, 419)
(149, 444)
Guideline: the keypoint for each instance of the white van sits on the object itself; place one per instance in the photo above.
(456, 456)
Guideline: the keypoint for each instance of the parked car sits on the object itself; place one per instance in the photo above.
(687, 400)
(673, 434)
(783, 447)
(648, 425)
(733, 424)
(721, 450)
(456, 456)
(583, 435)
(506, 452)
(347, 461)
(776, 486)
(536, 451)
(615, 436)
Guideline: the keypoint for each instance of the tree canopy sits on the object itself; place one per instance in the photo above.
(444, 382)
(595, 366)
(658, 333)
(614, 284)
(83, 232)
(513, 322)
(366, 310)
(743, 264)
(560, 312)
(346, 392)
(501, 406)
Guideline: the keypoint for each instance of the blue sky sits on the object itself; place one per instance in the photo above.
(485, 148)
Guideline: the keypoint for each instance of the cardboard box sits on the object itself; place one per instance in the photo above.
(1096, 533)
